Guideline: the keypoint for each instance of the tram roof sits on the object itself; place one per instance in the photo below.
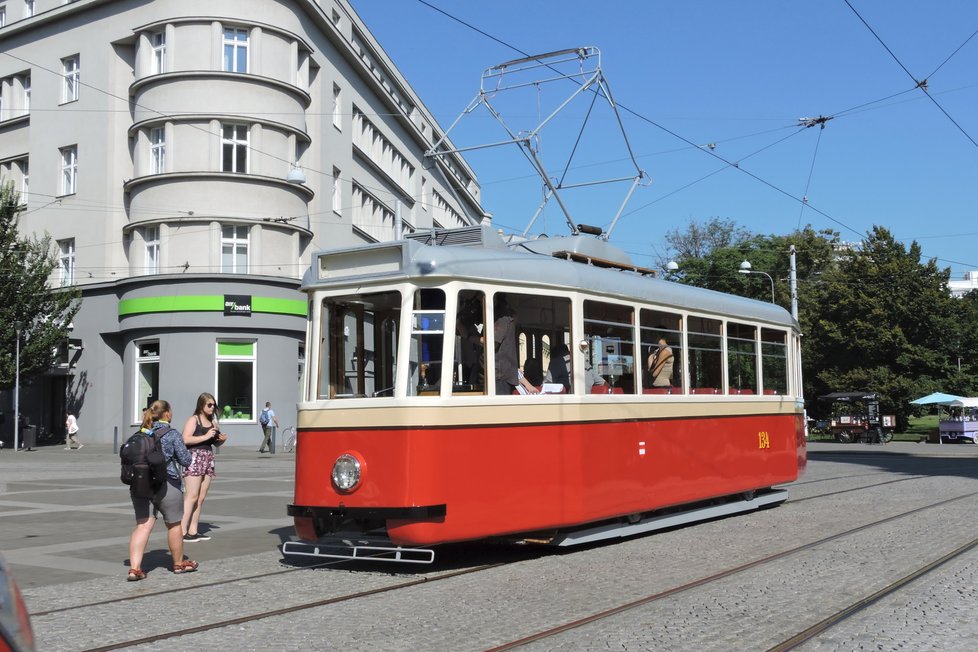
(531, 264)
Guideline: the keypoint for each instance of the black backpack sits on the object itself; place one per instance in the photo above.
(143, 463)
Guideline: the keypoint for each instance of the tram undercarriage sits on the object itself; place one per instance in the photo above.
(371, 544)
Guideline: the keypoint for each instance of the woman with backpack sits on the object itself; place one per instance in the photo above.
(168, 500)
(201, 433)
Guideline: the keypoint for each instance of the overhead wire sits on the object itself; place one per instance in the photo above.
(921, 83)
(811, 171)
(709, 151)
(690, 143)
(655, 124)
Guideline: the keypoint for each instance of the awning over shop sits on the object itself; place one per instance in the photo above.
(937, 398)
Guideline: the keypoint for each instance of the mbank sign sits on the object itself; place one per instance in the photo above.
(237, 304)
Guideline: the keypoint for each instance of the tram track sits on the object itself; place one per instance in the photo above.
(853, 489)
(414, 582)
(336, 563)
(801, 637)
(849, 611)
(249, 618)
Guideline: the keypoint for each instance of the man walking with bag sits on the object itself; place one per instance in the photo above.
(266, 419)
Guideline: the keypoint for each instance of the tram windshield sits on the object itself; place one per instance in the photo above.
(358, 345)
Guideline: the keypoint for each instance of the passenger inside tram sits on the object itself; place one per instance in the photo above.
(559, 368)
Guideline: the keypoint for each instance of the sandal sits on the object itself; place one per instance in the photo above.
(135, 575)
(185, 566)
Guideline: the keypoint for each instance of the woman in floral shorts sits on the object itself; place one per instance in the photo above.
(201, 433)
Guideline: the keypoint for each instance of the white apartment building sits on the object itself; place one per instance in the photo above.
(187, 157)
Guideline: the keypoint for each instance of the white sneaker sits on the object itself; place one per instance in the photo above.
(67, 448)
(81, 446)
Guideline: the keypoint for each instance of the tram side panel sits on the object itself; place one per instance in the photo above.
(495, 480)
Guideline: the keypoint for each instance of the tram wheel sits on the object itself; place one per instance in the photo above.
(843, 437)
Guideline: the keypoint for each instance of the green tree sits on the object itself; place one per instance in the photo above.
(885, 323)
(26, 264)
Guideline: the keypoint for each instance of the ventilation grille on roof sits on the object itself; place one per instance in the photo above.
(466, 236)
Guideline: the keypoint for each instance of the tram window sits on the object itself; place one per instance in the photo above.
(469, 368)
(359, 345)
(427, 340)
(656, 326)
(741, 358)
(705, 355)
(609, 331)
(540, 322)
(774, 361)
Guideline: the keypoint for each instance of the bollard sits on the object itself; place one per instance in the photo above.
(115, 438)
(271, 441)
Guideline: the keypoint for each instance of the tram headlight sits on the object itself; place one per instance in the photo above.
(346, 472)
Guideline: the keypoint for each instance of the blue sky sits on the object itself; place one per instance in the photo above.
(737, 75)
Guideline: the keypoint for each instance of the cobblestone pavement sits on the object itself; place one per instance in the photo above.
(65, 521)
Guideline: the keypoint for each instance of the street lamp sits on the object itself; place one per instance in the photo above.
(18, 325)
(746, 269)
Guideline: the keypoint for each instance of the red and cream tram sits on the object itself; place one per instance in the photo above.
(405, 440)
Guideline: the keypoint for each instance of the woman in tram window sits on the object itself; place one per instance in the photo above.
(660, 363)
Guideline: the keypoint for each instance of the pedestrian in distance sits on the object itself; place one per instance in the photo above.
(71, 430)
(168, 500)
(266, 420)
(201, 433)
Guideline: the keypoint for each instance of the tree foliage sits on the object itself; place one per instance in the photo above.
(888, 324)
(26, 297)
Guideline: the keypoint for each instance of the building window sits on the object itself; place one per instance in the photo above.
(371, 216)
(151, 238)
(234, 249)
(159, 52)
(337, 114)
(336, 196)
(147, 377)
(236, 381)
(66, 261)
(27, 93)
(28, 8)
(25, 184)
(234, 148)
(69, 170)
(235, 50)
(71, 69)
(3, 15)
(157, 148)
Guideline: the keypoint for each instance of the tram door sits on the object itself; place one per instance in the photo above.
(346, 350)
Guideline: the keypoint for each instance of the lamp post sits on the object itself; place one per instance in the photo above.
(745, 268)
(17, 326)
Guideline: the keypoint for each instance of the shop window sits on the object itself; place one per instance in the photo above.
(236, 380)
(147, 377)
